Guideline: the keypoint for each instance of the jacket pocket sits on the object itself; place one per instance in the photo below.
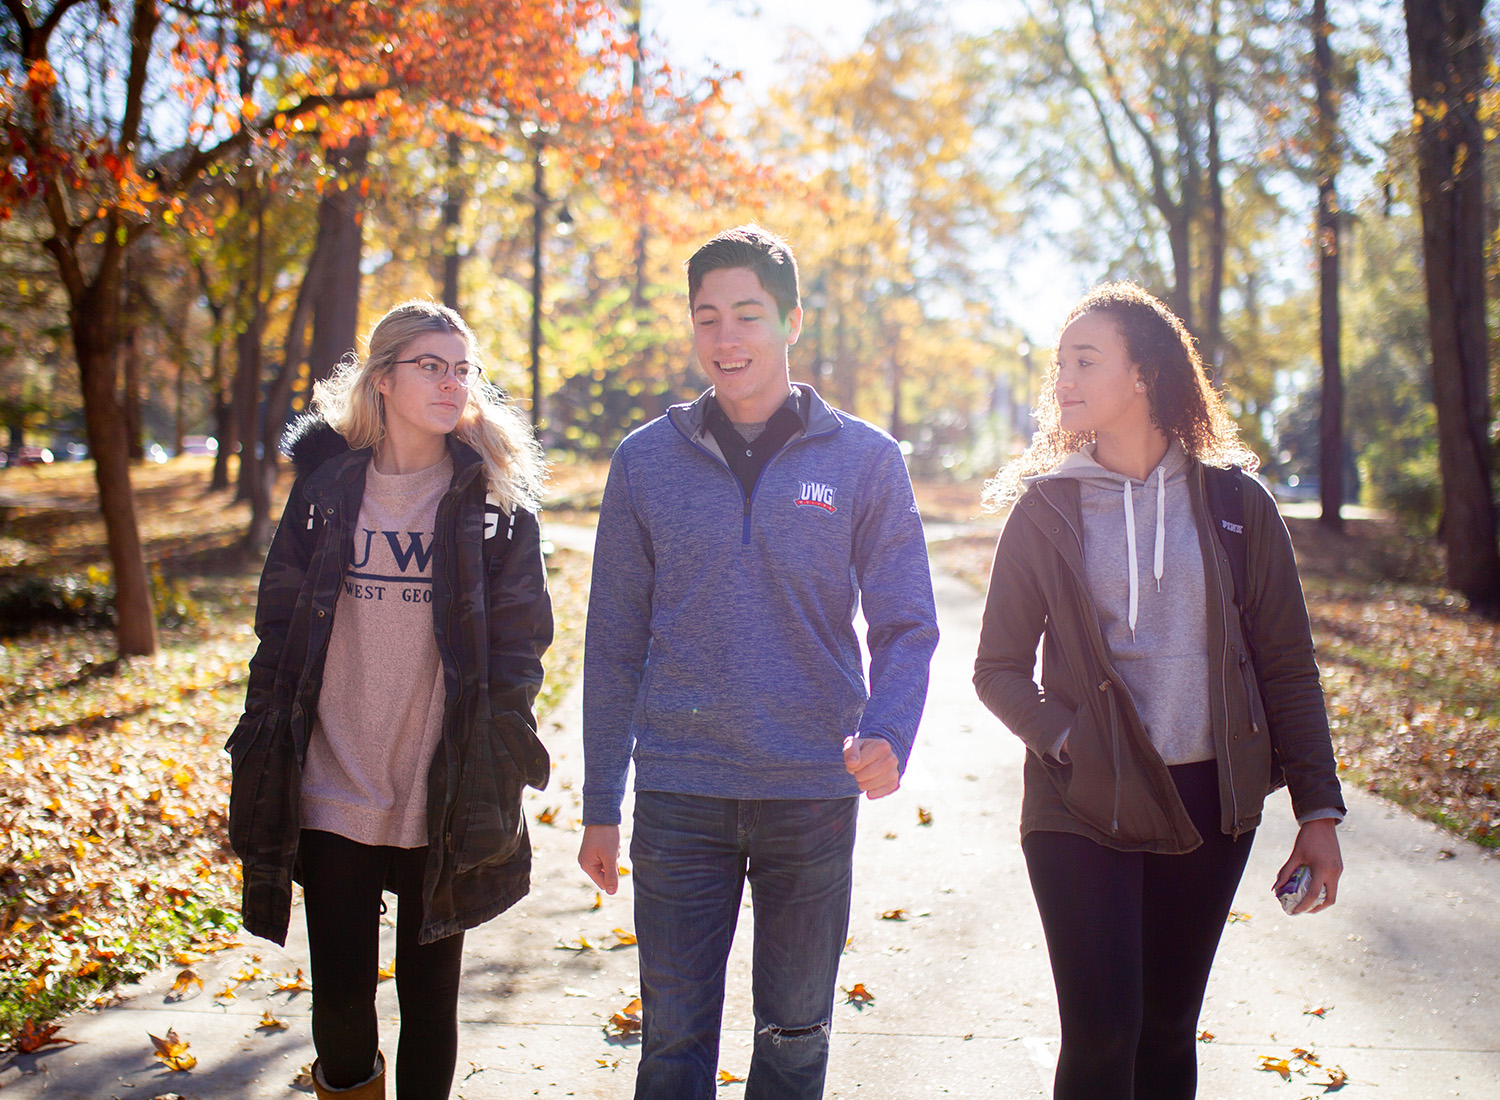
(243, 737)
(1265, 769)
(1087, 782)
(259, 796)
(488, 825)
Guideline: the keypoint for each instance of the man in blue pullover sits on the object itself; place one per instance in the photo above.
(738, 536)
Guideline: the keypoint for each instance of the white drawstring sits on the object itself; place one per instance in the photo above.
(1159, 558)
(1130, 557)
(1161, 522)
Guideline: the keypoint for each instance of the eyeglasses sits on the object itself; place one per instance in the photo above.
(435, 368)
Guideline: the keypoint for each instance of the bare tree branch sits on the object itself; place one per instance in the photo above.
(198, 159)
(1158, 163)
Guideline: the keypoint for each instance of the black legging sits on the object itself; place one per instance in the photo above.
(1131, 938)
(342, 884)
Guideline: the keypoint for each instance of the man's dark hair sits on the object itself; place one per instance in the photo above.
(762, 252)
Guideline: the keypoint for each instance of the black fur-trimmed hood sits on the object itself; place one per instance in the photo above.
(309, 442)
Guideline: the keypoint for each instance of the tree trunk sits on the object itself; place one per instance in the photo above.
(246, 405)
(179, 414)
(453, 204)
(1213, 295)
(538, 229)
(223, 410)
(1331, 420)
(248, 348)
(1445, 41)
(341, 238)
(129, 352)
(94, 319)
(898, 426)
(638, 287)
(843, 366)
(278, 403)
(1179, 236)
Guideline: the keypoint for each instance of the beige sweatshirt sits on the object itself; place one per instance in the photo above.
(380, 713)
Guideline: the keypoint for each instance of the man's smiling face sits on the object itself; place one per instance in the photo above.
(741, 342)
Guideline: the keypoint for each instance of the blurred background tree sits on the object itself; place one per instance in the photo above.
(207, 207)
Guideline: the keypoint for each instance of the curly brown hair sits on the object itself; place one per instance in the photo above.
(1184, 404)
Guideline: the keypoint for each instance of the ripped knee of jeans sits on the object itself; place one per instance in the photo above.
(778, 1035)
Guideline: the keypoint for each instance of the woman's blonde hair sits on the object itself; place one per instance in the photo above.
(514, 465)
(1184, 404)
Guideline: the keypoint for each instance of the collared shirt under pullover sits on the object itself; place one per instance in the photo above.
(721, 650)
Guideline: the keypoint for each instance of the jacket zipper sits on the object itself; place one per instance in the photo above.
(750, 496)
(1101, 653)
(453, 780)
(1234, 803)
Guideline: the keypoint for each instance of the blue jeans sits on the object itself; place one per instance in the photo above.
(691, 855)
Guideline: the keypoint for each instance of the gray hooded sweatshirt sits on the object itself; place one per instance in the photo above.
(1146, 577)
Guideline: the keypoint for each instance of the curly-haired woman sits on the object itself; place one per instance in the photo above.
(1163, 715)
(388, 731)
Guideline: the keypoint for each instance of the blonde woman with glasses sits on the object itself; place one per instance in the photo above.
(388, 729)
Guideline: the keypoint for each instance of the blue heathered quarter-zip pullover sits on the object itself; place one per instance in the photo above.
(720, 649)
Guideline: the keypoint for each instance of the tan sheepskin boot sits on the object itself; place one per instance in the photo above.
(371, 1089)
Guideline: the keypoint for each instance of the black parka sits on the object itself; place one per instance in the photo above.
(492, 617)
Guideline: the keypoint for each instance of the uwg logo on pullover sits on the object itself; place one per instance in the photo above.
(817, 495)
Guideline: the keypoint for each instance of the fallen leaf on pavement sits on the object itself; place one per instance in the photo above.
(185, 979)
(859, 996)
(1337, 1079)
(623, 1026)
(627, 1022)
(598, 902)
(1237, 917)
(33, 1036)
(924, 816)
(893, 914)
(270, 1023)
(294, 983)
(627, 939)
(1320, 1011)
(548, 816)
(173, 1051)
(727, 1078)
(387, 971)
(1276, 1065)
(304, 1078)
(1205, 1036)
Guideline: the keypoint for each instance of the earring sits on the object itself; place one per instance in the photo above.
(1140, 387)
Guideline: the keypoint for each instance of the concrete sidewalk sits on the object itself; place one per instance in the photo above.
(1406, 968)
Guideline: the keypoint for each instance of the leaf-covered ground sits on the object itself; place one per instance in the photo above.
(114, 779)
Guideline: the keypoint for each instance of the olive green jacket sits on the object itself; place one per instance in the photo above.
(1115, 787)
